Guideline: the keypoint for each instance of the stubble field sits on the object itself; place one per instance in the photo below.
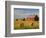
(28, 24)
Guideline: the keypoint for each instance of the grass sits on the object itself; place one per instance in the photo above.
(26, 24)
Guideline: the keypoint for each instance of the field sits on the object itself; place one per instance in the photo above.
(28, 24)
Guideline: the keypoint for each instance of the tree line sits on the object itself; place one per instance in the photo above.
(36, 18)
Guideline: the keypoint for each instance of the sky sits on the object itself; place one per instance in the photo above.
(25, 12)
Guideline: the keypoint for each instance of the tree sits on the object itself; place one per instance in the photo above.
(24, 19)
(36, 18)
(16, 19)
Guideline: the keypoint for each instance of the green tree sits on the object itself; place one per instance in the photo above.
(36, 18)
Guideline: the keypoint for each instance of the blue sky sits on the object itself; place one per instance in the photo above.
(23, 13)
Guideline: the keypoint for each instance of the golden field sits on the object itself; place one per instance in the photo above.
(27, 24)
